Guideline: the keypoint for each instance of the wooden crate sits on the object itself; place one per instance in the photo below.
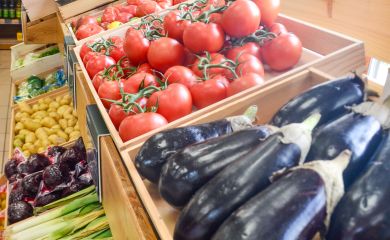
(39, 9)
(71, 8)
(16, 83)
(163, 215)
(330, 52)
(15, 109)
(36, 67)
(126, 215)
(42, 30)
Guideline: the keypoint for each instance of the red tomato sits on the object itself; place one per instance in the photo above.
(189, 58)
(89, 56)
(88, 30)
(282, 52)
(278, 28)
(132, 9)
(250, 47)
(216, 58)
(86, 20)
(126, 67)
(109, 90)
(216, 18)
(85, 48)
(98, 79)
(243, 83)
(199, 37)
(173, 102)
(117, 113)
(147, 7)
(124, 17)
(241, 18)
(116, 51)
(133, 83)
(136, 46)
(269, 10)
(210, 91)
(180, 74)
(174, 26)
(136, 125)
(164, 53)
(249, 64)
(134, 2)
(110, 14)
(165, 4)
(175, 2)
(95, 65)
(145, 68)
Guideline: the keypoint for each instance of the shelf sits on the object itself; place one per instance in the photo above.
(10, 21)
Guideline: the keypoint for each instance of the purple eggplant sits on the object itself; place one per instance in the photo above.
(157, 149)
(193, 166)
(359, 131)
(295, 207)
(243, 179)
(364, 212)
(329, 99)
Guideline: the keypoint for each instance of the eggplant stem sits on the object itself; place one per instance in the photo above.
(311, 122)
(251, 112)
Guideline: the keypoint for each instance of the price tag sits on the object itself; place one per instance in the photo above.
(19, 36)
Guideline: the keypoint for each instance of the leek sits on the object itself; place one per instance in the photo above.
(103, 235)
(56, 213)
(96, 226)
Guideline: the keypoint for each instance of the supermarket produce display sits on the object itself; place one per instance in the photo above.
(219, 120)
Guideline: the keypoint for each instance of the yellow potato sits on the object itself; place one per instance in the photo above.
(65, 101)
(18, 126)
(62, 109)
(26, 153)
(45, 142)
(30, 138)
(35, 107)
(68, 130)
(37, 120)
(54, 105)
(55, 139)
(41, 149)
(63, 123)
(72, 122)
(68, 116)
(27, 146)
(48, 122)
(62, 134)
(43, 106)
(55, 127)
(47, 100)
(58, 99)
(76, 126)
(69, 111)
(18, 143)
(24, 107)
(18, 116)
(37, 144)
(24, 132)
(74, 135)
(21, 137)
(39, 114)
(31, 125)
(55, 115)
(74, 113)
(41, 134)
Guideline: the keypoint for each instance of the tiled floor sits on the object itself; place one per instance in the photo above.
(5, 89)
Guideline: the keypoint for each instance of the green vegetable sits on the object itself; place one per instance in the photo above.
(49, 52)
(96, 227)
(106, 234)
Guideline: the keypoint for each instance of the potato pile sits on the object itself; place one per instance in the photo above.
(45, 123)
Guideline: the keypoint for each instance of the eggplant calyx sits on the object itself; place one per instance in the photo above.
(381, 112)
(243, 121)
(331, 173)
(300, 134)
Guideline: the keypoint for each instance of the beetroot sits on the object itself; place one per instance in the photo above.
(38, 162)
(45, 199)
(55, 151)
(10, 168)
(17, 193)
(30, 183)
(25, 168)
(55, 174)
(18, 211)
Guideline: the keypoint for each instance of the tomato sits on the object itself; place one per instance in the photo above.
(110, 14)
(241, 18)
(216, 18)
(109, 90)
(89, 56)
(133, 83)
(86, 20)
(98, 79)
(116, 51)
(126, 67)
(117, 113)
(207, 92)
(180, 74)
(136, 125)
(173, 102)
(147, 7)
(199, 37)
(175, 2)
(136, 46)
(145, 68)
(250, 47)
(249, 64)
(88, 30)
(269, 10)
(85, 48)
(189, 57)
(164, 53)
(243, 83)
(95, 65)
(132, 9)
(123, 17)
(165, 4)
(216, 58)
(134, 2)
(278, 28)
(282, 52)
(174, 26)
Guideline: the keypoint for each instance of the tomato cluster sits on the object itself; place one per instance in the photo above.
(114, 16)
(194, 56)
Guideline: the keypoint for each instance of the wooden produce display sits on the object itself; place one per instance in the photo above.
(39, 9)
(37, 66)
(330, 52)
(268, 99)
(43, 30)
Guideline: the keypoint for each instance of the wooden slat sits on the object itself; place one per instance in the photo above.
(44, 30)
(39, 9)
(69, 9)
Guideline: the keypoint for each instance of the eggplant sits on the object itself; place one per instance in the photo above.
(328, 99)
(364, 212)
(243, 179)
(359, 131)
(193, 166)
(157, 149)
(295, 207)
